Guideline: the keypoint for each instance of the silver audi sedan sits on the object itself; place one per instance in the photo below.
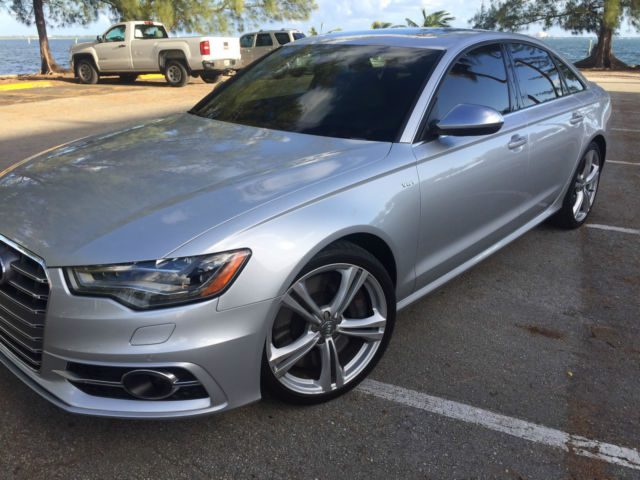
(265, 239)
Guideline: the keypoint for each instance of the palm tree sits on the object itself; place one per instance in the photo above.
(375, 25)
(313, 31)
(441, 18)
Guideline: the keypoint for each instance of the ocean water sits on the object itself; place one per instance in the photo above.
(20, 56)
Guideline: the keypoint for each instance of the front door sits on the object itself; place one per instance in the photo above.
(473, 188)
(114, 53)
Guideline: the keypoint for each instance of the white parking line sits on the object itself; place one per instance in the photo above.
(626, 457)
(620, 162)
(625, 129)
(613, 229)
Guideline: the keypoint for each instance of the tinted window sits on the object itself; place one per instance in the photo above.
(298, 36)
(571, 80)
(145, 32)
(116, 34)
(537, 75)
(264, 40)
(347, 91)
(246, 41)
(479, 77)
(283, 38)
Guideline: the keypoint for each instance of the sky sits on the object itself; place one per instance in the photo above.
(346, 14)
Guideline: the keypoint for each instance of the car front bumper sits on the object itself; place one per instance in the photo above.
(221, 349)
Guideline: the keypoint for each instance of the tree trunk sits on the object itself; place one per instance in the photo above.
(602, 54)
(48, 64)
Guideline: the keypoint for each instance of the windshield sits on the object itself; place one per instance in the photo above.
(347, 91)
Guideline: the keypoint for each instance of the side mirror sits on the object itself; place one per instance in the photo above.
(466, 120)
(99, 38)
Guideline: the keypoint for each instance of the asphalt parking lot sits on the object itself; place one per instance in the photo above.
(525, 367)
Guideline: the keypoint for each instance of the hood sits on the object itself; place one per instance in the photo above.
(82, 45)
(140, 193)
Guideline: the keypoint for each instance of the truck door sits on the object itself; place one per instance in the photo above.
(246, 48)
(114, 53)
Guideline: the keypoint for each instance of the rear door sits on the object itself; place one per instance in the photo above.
(264, 44)
(554, 125)
(114, 53)
(472, 188)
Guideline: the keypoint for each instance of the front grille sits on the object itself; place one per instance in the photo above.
(24, 292)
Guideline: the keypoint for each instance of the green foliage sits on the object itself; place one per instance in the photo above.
(58, 13)
(313, 31)
(220, 16)
(206, 16)
(376, 25)
(440, 18)
(577, 16)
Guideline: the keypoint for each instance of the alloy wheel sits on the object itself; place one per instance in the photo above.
(586, 186)
(329, 326)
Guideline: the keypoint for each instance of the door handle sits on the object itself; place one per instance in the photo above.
(121, 46)
(576, 119)
(516, 142)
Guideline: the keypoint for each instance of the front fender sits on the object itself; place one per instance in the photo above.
(386, 205)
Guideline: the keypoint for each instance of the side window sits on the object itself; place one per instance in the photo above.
(116, 34)
(146, 32)
(479, 77)
(282, 38)
(264, 40)
(247, 41)
(571, 80)
(537, 75)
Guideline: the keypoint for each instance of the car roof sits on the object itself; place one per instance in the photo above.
(436, 38)
(282, 30)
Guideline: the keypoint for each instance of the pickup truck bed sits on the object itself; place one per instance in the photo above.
(129, 49)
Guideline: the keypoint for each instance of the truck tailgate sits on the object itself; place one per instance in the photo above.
(222, 48)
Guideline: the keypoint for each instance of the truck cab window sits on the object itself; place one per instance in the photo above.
(116, 34)
(246, 41)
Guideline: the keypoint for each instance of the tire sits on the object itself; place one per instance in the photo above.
(86, 72)
(319, 348)
(176, 74)
(580, 197)
(128, 78)
(211, 77)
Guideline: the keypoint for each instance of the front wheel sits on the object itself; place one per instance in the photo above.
(176, 74)
(86, 72)
(581, 195)
(332, 326)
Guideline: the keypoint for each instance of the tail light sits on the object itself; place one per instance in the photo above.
(204, 48)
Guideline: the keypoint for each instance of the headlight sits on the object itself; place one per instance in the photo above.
(159, 283)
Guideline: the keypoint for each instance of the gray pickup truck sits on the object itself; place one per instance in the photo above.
(129, 49)
(257, 44)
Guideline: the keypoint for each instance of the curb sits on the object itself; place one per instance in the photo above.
(25, 85)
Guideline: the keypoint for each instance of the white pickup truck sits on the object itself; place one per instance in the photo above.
(129, 49)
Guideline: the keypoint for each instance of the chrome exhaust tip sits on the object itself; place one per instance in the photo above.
(149, 384)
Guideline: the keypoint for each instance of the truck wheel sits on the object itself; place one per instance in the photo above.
(128, 78)
(86, 72)
(176, 74)
(211, 77)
